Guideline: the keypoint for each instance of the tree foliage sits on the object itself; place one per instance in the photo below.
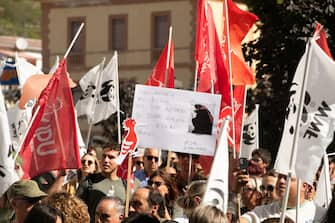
(283, 31)
(20, 17)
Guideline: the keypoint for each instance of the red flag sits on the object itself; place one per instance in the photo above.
(157, 77)
(240, 23)
(205, 48)
(51, 142)
(321, 39)
(238, 97)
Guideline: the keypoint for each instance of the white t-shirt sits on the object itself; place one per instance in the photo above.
(309, 212)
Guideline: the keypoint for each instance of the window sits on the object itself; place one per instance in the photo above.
(77, 53)
(118, 32)
(160, 33)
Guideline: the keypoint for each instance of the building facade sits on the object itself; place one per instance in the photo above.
(137, 29)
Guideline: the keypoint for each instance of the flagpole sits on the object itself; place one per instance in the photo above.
(326, 178)
(90, 119)
(297, 200)
(128, 184)
(118, 99)
(257, 126)
(296, 132)
(230, 78)
(74, 40)
(168, 57)
(59, 136)
(243, 113)
(195, 76)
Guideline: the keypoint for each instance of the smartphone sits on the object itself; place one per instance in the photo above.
(244, 164)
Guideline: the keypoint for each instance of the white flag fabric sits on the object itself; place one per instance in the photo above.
(99, 100)
(318, 116)
(217, 187)
(25, 69)
(250, 134)
(323, 194)
(18, 120)
(7, 165)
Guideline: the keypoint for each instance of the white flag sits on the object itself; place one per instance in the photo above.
(317, 119)
(7, 165)
(250, 134)
(99, 100)
(323, 195)
(217, 187)
(18, 120)
(25, 69)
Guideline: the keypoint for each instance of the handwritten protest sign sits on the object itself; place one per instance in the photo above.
(176, 120)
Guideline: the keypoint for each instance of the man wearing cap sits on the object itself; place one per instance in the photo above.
(23, 195)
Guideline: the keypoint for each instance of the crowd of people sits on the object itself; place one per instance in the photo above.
(167, 187)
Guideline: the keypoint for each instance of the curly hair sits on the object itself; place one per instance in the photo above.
(74, 209)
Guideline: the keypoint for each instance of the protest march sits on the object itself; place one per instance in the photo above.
(183, 156)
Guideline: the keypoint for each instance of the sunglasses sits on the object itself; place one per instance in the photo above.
(102, 216)
(152, 158)
(89, 162)
(139, 163)
(157, 183)
(269, 188)
(247, 189)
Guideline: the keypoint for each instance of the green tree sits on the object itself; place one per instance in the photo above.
(20, 17)
(284, 28)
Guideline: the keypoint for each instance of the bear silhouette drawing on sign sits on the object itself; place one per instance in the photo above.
(203, 120)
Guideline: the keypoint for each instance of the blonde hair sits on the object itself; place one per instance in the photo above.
(207, 214)
(187, 202)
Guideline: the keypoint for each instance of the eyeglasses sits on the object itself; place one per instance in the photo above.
(247, 189)
(89, 162)
(269, 188)
(139, 162)
(157, 183)
(152, 158)
(102, 216)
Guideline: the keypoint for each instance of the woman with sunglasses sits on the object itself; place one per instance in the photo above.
(161, 181)
(89, 165)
